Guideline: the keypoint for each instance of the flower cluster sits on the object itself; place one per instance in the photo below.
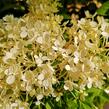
(37, 53)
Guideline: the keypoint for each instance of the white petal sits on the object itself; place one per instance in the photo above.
(57, 99)
(54, 48)
(56, 43)
(67, 67)
(39, 97)
(65, 87)
(24, 78)
(41, 77)
(107, 91)
(45, 84)
(35, 56)
(39, 61)
(89, 84)
(14, 104)
(76, 54)
(23, 34)
(21, 108)
(10, 79)
(37, 102)
(105, 34)
(10, 36)
(39, 40)
(88, 44)
(28, 88)
(76, 60)
(93, 24)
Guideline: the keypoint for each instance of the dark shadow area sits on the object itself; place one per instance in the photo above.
(17, 8)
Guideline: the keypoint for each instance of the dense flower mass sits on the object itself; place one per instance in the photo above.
(38, 52)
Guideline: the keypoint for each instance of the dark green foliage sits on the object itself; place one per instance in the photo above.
(104, 10)
(18, 8)
(71, 100)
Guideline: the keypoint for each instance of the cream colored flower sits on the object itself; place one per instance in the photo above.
(10, 55)
(40, 77)
(10, 79)
(39, 59)
(37, 102)
(39, 97)
(89, 82)
(67, 67)
(21, 108)
(39, 40)
(105, 34)
(46, 84)
(24, 32)
(76, 57)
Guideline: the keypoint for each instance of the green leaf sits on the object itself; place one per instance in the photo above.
(96, 97)
(47, 106)
(84, 106)
(66, 37)
(66, 16)
(104, 9)
(72, 104)
(56, 62)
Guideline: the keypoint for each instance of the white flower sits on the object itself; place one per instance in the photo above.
(21, 108)
(89, 82)
(56, 45)
(76, 54)
(76, 57)
(37, 102)
(82, 21)
(9, 71)
(10, 55)
(91, 64)
(10, 79)
(88, 44)
(14, 104)
(23, 34)
(23, 78)
(7, 56)
(41, 77)
(76, 60)
(93, 24)
(11, 36)
(46, 84)
(28, 88)
(39, 59)
(105, 34)
(39, 40)
(39, 97)
(107, 91)
(67, 67)
(57, 98)
(66, 88)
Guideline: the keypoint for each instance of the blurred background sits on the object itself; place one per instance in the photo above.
(70, 8)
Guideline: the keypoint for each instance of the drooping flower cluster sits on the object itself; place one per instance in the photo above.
(37, 53)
